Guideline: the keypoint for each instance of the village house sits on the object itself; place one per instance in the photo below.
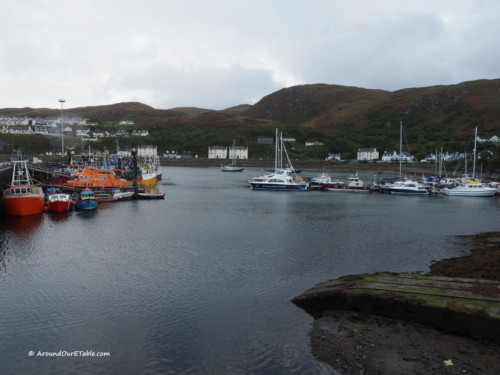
(41, 129)
(83, 133)
(139, 133)
(17, 129)
(489, 138)
(314, 143)
(388, 157)
(367, 154)
(239, 152)
(121, 133)
(171, 154)
(333, 157)
(217, 152)
(147, 150)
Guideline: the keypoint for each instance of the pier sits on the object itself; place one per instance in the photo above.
(468, 307)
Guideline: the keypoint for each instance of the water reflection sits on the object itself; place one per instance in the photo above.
(23, 224)
(55, 217)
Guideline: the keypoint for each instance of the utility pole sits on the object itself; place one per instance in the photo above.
(62, 129)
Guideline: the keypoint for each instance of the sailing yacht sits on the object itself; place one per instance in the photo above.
(406, 186)
(232, 167)
(471, 187)
(281, 178)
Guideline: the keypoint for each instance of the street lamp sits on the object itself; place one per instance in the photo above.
(62, 130)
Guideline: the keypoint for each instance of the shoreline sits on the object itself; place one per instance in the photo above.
(354, 342)
(418, 168)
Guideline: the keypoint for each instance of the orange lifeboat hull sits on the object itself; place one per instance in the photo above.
(95, 178)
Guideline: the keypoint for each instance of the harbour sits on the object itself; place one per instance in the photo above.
(202, 281)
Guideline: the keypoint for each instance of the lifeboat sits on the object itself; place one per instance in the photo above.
(96, 178)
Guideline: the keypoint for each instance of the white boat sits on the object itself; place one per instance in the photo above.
(123, 195)
(404, 186)
(353, 184)
(409, 187)
(232, 167)
(471, 187)
(282, 178)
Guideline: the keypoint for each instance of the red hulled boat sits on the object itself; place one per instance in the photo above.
(59, 202)
(22, 198)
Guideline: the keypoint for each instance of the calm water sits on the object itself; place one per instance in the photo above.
(201, 282)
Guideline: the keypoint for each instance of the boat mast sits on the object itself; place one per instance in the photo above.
(281, 150)
(474, 165)
(400, 146)
(276, 153)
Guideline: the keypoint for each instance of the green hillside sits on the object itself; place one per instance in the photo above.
(343, 118)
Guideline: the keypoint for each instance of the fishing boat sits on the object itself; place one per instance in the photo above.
(157, 167)
(282, 178)
(147, 176)
(59, 202)
(353, 184)
(471, 187)
(22, 198)
(232, 167)
(316, 182)
(86, 200)
(95, 178)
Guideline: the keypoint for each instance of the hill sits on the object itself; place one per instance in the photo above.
(343, 118)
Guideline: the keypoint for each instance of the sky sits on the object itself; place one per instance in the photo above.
(216, 54)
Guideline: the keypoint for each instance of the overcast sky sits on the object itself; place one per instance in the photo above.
(221, 53)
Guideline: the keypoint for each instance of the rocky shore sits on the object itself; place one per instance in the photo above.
(360, 343)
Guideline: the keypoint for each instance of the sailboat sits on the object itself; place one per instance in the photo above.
(281, 178)
(232, 167)
(471, 187)
(406, 186)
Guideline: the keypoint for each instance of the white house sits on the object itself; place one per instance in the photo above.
(217, 152)
(367, 154)
(332, 157)
(240, 152)
(493, 138)
(387, 157)
(147, 150)
(314, 143)
(41, 129)
(124, 153)
(140, 133)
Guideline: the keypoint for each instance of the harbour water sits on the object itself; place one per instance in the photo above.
(201, 282)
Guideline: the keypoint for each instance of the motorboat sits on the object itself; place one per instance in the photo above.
(283, 178)
(59, 202)
(471, 188)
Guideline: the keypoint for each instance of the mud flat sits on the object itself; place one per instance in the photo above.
(447, 322)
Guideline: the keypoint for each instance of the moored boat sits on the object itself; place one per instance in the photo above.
(59, 202)
(232, 167)
(470, 188)
(86, 200)
(22, 198)
(282, 178)
(409, 187)
(96, 178)
(352, 184)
